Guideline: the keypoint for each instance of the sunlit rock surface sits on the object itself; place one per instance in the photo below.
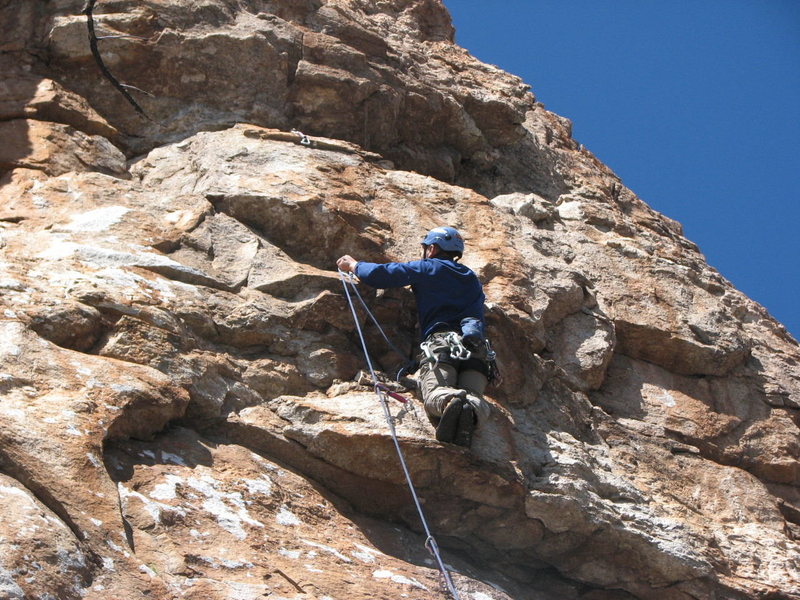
(181, 414)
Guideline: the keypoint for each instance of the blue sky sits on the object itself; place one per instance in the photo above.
(694, 104)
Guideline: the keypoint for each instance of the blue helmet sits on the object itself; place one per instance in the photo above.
(447, 238)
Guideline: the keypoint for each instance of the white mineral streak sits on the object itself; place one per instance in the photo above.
(10, 338)
(365, 554)
(227, 507)
(154, 508)
(383, 574)
(327, 549)
(166, 490)
(261, 486)
(173, 458)
(287, 517)
(96, 220)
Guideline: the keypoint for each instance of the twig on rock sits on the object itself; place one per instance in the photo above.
(121, 36)
(123, 89)
(136, 89)
(290, 580)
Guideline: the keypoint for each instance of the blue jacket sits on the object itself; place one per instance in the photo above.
(446, 291)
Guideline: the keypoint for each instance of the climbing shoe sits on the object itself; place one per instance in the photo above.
(466, 425)
(448, 425)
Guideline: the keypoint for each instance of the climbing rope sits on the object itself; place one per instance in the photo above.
(430, 541)
(389, 343)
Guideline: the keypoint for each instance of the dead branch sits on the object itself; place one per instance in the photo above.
(121, 36)
(99, 60)
(136, 89)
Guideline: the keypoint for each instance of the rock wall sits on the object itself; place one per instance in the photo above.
(180, 412)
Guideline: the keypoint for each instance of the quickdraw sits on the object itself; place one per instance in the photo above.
(455, 346)
(457, 349)
(391, 394)
(494, 376)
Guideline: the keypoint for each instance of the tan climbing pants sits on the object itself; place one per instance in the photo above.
(441, 382)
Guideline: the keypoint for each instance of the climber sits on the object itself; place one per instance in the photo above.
(454, 358)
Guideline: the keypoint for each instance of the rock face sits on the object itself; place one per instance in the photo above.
(180, 415)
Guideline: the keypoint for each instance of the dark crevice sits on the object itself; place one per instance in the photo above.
(128, 532)
(11, 165)
(406, 542)
(77, 327)
(198, 279)
(790, 512)
(39, 491)
(361, 499)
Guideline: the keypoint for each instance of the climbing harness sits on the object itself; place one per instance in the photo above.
(381, 392)
(458, 351)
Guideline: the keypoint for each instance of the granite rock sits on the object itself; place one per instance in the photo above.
(182, 410)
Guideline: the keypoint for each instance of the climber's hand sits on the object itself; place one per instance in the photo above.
(347, 263)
